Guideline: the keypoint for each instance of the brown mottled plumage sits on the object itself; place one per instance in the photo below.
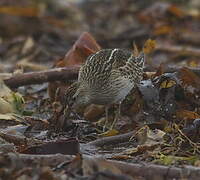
(107, 77)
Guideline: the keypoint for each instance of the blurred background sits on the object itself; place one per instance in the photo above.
(40, 32)
(37, 35)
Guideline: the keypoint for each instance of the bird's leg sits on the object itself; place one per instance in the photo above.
(106, 122)
(117, 115)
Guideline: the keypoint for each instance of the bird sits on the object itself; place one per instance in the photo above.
(106, 78)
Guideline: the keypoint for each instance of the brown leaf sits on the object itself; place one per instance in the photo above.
(193, 63)
(160, 71)
(55, 22)
(149, 137)
(82, 48)
(167, 83)
(187, 115)
(20, 11)
(189, 78)
(162, 30)
(111, 132)
(92, 112)
(176, 11)
(149, 46)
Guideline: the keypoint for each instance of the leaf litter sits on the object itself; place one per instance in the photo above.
(160, 119)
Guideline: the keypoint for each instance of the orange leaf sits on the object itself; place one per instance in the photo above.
(185, 114)
(149, 46)
(93, 112)
(189, 78)
(193, 63)
(55, 22)
(111, 132)
(160, 70)
(176, 11)
(167, 84)
(20, 11)
(81, 49)
(165, 29)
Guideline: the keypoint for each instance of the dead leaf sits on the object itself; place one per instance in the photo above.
(108, 133)
(20, 11)
(82, 48)
(160, 71)
(162, 30)
(193, 63)
(28, 44)
(176, 11)
(5, 107)
(11, 117)
(149, 46)
(149, 137)
(140, 149)
(55, 21)
(167, 83)
(93, 112)
(189, 79)
(170, 159)
(187, 115)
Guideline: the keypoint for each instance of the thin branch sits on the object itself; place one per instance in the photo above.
(62, 74)
(158, 171)
(146, 170)
(111, 140)
(56, 74)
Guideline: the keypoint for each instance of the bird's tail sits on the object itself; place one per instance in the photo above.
(140, 60)
(133, 69)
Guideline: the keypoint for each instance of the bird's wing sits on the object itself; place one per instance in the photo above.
(98, 64)
(133, 69)
(121, 57)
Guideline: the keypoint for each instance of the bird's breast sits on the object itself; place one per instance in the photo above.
(111, 93)
(123, 92)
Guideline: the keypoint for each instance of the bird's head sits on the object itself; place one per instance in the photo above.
(81, 98)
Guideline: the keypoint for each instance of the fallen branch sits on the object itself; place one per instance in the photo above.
(158, 171)
(112, 140)
(62, 74)
(45, 160)
(145, 170)
(57, 74)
